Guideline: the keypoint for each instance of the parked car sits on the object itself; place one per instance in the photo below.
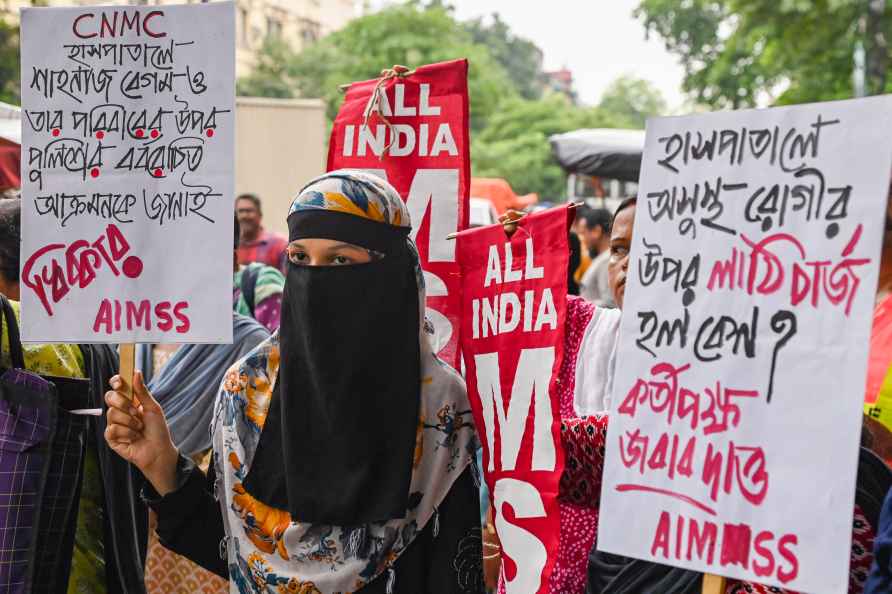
(482, 213)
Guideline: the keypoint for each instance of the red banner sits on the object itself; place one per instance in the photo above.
(417, 138)
(514, 309)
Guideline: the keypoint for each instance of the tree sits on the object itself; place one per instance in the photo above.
(515, 144)
(273, 75)
(10, 68)
(408, 34)
(737, 51)
(521, 58)
(630, 101)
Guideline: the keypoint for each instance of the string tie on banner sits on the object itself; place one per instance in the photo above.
(391, 580)
(373, 107)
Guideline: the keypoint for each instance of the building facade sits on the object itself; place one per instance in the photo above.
(298, 22)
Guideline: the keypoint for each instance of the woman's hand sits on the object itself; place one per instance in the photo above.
(138, 432)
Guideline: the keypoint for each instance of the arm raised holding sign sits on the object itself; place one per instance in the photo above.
(319, 436)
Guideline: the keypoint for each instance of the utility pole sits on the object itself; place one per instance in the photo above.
(858, 72)
(877, 47)
(871, 55)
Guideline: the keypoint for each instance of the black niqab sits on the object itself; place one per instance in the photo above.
(339, 439)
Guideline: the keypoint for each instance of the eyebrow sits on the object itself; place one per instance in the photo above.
(337, 246)
(351, 246)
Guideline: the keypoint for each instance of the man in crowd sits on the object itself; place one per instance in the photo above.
(256, 288)
(257, 244)
(595, 236)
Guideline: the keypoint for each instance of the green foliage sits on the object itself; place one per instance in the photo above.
(521, 58)
(792, 51)
(10, 88)
(273, 74)
(515, 144)
(510, 124)
(406, 34)
(630, 101)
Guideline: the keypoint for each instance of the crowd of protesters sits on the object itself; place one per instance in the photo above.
(314, 451)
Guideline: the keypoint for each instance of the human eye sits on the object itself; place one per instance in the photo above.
(297, 256)
(618, 252)
(341, 260)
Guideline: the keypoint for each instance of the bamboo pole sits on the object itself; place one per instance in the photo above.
(126, 366)
(713, 584)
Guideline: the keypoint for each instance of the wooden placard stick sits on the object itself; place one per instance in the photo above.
(713, 584)
(510, 218)
(126, 366)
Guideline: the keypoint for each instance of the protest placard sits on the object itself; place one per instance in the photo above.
(411, 128)
(127, 168)
(736, 412)
(514, 309)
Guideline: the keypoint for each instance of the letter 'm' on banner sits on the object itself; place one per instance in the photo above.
(530, 384)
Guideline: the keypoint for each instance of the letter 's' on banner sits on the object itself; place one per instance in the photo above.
(514, 309)
(411, 128)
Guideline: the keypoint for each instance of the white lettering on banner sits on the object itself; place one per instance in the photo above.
(444, 142)
(511, 275)
(530, 384)
(531, 271)
(494, 267)
(402, 109)
(424, 102)
(506, 323)
(399, 93)
(348, 141)
(433, 190)
(495, 313)
(517, 543)
(400, 140)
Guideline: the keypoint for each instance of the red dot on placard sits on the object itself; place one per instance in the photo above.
(132, 267)
(56, 131)
(100, 135)
(155, 134)
(158, 172)
(94, 172)
(140, 133)
(210, 132)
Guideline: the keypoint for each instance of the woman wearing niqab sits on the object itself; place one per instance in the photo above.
(342, 446)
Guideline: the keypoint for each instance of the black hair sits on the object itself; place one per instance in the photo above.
(10, 238)
(238, 231)
(581, 211)
(597, 217)
(631, 201)
(253, 198)
(575, 259)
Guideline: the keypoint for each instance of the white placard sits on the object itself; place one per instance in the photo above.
(736, 413)
(128, 155)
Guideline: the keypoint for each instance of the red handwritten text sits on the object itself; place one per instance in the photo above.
(114, 316)
(691, 540)
(713, 409)
(761, 270)
(53, 270)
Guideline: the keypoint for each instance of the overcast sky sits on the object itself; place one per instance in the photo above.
(597, 39)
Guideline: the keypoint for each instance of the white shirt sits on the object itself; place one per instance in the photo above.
(596, 363)
(594, 286)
